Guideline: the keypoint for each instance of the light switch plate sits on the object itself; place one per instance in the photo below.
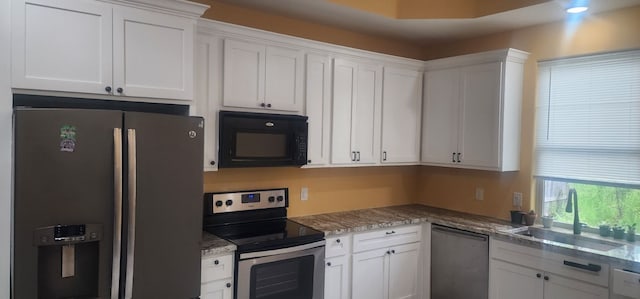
(479, 194)
(517, 199)
(304, 193)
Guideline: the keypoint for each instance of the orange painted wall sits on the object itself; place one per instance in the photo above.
(455, 189)
(330, 189)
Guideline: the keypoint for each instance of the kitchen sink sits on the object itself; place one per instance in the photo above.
(570, 239)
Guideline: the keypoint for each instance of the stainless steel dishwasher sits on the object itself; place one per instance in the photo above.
(459, 264)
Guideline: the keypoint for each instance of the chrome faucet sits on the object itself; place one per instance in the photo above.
(572, 205)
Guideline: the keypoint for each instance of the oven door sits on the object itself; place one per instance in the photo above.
(287, 273)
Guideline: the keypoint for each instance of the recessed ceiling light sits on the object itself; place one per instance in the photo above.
(577, 9)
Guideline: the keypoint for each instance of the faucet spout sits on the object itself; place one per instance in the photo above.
(572, 206)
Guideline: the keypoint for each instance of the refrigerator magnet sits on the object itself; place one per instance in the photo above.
(68, 138)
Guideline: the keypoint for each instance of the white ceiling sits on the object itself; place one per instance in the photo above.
(423, 31)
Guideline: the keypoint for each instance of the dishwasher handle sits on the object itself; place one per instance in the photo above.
(462, 233)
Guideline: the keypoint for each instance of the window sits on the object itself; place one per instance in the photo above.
(588, 137)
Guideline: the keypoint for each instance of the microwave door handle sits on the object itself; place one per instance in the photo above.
(117, 205)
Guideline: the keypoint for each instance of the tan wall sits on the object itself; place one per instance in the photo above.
(305, 29)
(455, 189)
(330, 189)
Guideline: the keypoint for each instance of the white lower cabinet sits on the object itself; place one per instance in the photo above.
(217, 277)
(389, 271)
(527, 273)
(337, 270)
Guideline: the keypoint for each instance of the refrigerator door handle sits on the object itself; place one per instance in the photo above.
(117, 205)
(132, 195)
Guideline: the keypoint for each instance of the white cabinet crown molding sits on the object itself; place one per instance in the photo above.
(509, 54)
(211, 27)
(179, 7)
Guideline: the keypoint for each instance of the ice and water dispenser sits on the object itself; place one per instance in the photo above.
(68, 260)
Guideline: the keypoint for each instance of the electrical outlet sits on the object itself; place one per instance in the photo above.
(479, 193)
(517, 199)
(304, 193)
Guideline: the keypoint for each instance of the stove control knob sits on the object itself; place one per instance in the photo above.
(280, 198)
(228, 202)
(272, 198)
(218, 203)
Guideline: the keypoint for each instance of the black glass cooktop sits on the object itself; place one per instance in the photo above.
(266, 235)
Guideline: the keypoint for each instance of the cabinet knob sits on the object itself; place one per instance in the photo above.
(388, 252)
(329, 264)
(268, 105)
(228, 284)
(546, 277)
(338, 241)
(212, 163)
(120, 90)
(538, 275)
(262, 105)
(393, 251)
(108, 89)
(308, 161)
(216, 262)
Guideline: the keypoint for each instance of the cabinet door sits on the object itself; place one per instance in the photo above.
(370, 275)
(401, 110)
(366, 114)
(243, 74)
(509, 281)
(283, 85)
(62, 45)
(336, 278)
(318, 108)
(153, 54)
(206, 95)
(219, 289)
(440, 116)
(344, 93)
(562, 288)
(403, 271)
(479, 137)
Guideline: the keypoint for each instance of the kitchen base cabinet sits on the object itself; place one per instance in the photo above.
(528, 273)
(336, 277)
(217, 277)
(385, 264)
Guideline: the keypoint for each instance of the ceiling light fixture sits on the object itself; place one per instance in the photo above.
(578, 6)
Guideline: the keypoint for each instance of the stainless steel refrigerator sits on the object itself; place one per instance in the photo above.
(107, 204)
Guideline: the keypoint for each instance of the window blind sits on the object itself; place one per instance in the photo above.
(588, 119)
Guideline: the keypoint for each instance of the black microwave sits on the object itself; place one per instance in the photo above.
(262, 140)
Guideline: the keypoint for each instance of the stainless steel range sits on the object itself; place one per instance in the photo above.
(276, 258)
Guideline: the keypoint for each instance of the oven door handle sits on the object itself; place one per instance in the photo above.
(250, 255)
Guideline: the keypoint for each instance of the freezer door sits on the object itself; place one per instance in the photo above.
(64, 174)
(164, 216)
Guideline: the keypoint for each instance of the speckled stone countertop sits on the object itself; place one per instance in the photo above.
(626, 256)
(213, 245)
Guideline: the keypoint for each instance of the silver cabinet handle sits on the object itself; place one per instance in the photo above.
(384, 156)
(132, 184)
(358, 153)
(391, 232)
(117, 208)
(458, 157)
(353, 156)
(453, 157)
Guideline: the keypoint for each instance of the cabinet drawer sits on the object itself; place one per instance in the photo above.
(567, 266)
(337, 246)
(218, 267)
(626, 283)
(386, 237)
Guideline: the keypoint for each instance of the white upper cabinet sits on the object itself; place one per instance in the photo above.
(471, 112)
(401, 111)
(259, 76)
(357, 93)
(62, 45)
(153, 54)
(318, 108)
(101, 48)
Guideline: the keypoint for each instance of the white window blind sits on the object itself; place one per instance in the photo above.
(588, 119)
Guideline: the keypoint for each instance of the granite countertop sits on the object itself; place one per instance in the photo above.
(213, 245)
(626, 256)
